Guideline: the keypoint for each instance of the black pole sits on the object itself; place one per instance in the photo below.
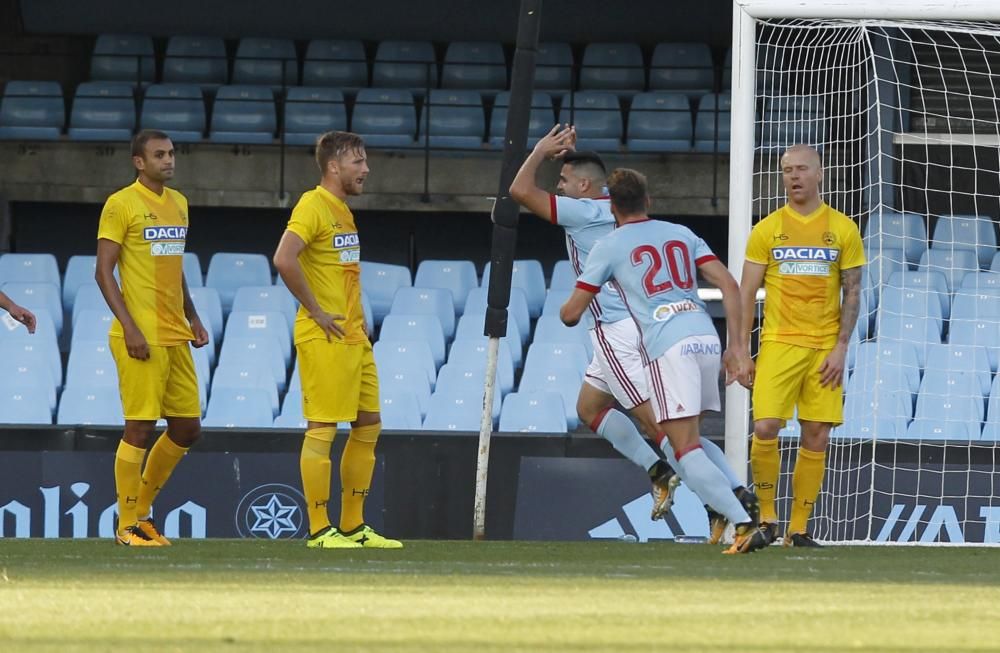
(505, 210)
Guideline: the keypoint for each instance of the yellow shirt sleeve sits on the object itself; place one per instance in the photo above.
(757, 251)
(304, 223)
(853, 251)
(114, 222)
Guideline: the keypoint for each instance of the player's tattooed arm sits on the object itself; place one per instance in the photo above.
(850, 307)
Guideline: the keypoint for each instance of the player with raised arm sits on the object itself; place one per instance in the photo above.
(319, 259)
(806, 254)
(654, 267)
(143, 231)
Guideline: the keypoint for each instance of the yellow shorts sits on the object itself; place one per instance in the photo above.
(166, 385)
(338, 380)
(788, 376)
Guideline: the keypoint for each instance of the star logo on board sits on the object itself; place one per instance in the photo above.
(274, 518)
(271, 511)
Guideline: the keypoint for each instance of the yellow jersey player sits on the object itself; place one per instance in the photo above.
(319, 259)
(143, 230)
(806, 254)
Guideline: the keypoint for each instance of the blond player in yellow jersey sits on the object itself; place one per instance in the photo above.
(319, 258)
(806, 254)
(143, 230)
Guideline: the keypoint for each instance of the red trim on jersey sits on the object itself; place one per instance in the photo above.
(603, 197)
(683, 452)
(552, 209)
(617, 369)
(596, 424)
(582, 285)
(708, 258)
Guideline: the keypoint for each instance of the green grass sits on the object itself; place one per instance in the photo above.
(65, 595)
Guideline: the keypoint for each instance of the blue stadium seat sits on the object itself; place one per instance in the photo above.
(97, 406)
(712, 123)
(917, 331)
(335, 64)
(102, 111)
(554, 300)
(791, 119)
(982, 332)
(261, 349)
(533, 412)
(400, 412)
(123, 58)
(91, 366)
(35, 296)
(311, 111)
(267, 298)
(243, 114)
(659, 122)
(243, 324)
(406, 381)
(470, 327)
(478, 66)
(554, 67)
(517, 309)
(893, 365)
(913, 302)
(961, 358)
(950, 406)
(404, 64)
(192, 270)
(24, 406)
(473, 370)
(456, 119)
(460, 381)
(995, 265)
(879, 268)
(563, 276)
(291, 413)
(416, 327)
(451, 413)
(616, 67)
(44, 336)
(552, 355)
(246, 374)
(239, 408)
(29, 372)
(42, 352)
(973, 305)
(984, 281)
(528, 276)
(380, 282)
(991, 426)
(405, 355)
(598, 119)
(472, 354)
(178, 109)
(551, 329)
(29, 268)
(266, 62)
(209, 307)
(79, 272)
(564, 381)
(953, 263)
(882, 415)
(456, 276)
(385, 117)
(682, 68)
(540, 120)
(32, 111)
(228, 271)
(890, 229)
(195, 60)
(931, 281)
(971, 232)
(426, 301)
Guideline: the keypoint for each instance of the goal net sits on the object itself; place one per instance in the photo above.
(905, 115)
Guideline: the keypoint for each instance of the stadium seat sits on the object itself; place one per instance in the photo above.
(551, 355)
(380, 282)
(405, 355)
(239, 408)
(995, 265)
(892, 365)
(44, 336)
(888, 229)
(961, 358)
(243, 114)
(227, 272)
(470, 327)
(950, 406)
(32, 111)
(879, 268)
(79, 272)
(42, 352)
(932, 281)
(29, 268)
(24, 406)
(531, 412)
(540, 120)
(458, 277)
(35, 296)
(87, 406)
(209, 307)
(882, 415)
(554, 68)
(477, 66)
(404, 64)
(682, 68)
(984, 281)
(242, 324)
(913, 302)
(712, 123)
(528, 276)
(554, 299)
(197, 60)
(102, 111)
(953, 263)
(551, 329)
(615, 67)
(291, 414)
(659, 122)
(982, 332)
(456, 119)
(971, 232)
(973, 305)
(261, 349)
(564, 381)
(266, 62)
(917, 331)
(399, 381)
(563, 276)
(267, 298)
(192, 270)
(91, 366)
(517, 308)
(597, 117)
(312, 111)
(400, 412)
(29, 372)
(416, 327)
(473, 370)
(243, 375)
(178, 109)
(991, 426)
(385, 117)
(335, 64)
(123, 58)
(478, 346)
(426, 301)
(791, 119)
(461, 381)
(472, 355)
(451, 413)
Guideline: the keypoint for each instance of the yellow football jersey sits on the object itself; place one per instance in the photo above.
(152, 232)
(804, 255)
(331, 263)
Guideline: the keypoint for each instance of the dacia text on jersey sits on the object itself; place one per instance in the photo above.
(349, 247)
(808, 261)
(174, 237)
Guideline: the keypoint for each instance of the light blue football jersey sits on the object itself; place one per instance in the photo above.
(585, 222)
(653, 265)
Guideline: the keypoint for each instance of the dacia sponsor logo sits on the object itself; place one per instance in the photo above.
(340, 241)
(804, 254)
(164, 233)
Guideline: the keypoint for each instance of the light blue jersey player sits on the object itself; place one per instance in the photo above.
(654, 266)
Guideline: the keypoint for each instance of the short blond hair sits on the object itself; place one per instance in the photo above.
(335, 144)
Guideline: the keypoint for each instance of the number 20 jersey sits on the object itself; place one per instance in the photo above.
(654, 266)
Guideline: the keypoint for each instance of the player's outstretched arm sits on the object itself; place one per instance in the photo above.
(286, 262)
(19, 313)
(571, 312)
(832, 370)
(736, 358)
(524, 189)
(108, 252)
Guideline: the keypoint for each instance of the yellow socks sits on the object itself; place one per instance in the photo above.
(314, 464)
(765, 465)
(128, 477)
(163, 457)
(807, 479)
(356, 469)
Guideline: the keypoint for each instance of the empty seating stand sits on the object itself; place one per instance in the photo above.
(311, 111)
(197, 60)
(126, 58)
(32, 110)
(243, 114)
(177, 109)
(102, 111)
(335, 64)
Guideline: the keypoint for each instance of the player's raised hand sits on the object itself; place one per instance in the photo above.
(24, 316)
(831, 372)
(135, 344)
(200, 333)
(557, 142)
(328, 323)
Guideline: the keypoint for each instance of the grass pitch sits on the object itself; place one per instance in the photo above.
(89, 595)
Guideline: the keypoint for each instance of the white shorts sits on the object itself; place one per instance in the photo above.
(616, 368)
(685, 379)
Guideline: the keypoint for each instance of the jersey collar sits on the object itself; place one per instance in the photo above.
(805, 218)
(150, 194)
(333, 198)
